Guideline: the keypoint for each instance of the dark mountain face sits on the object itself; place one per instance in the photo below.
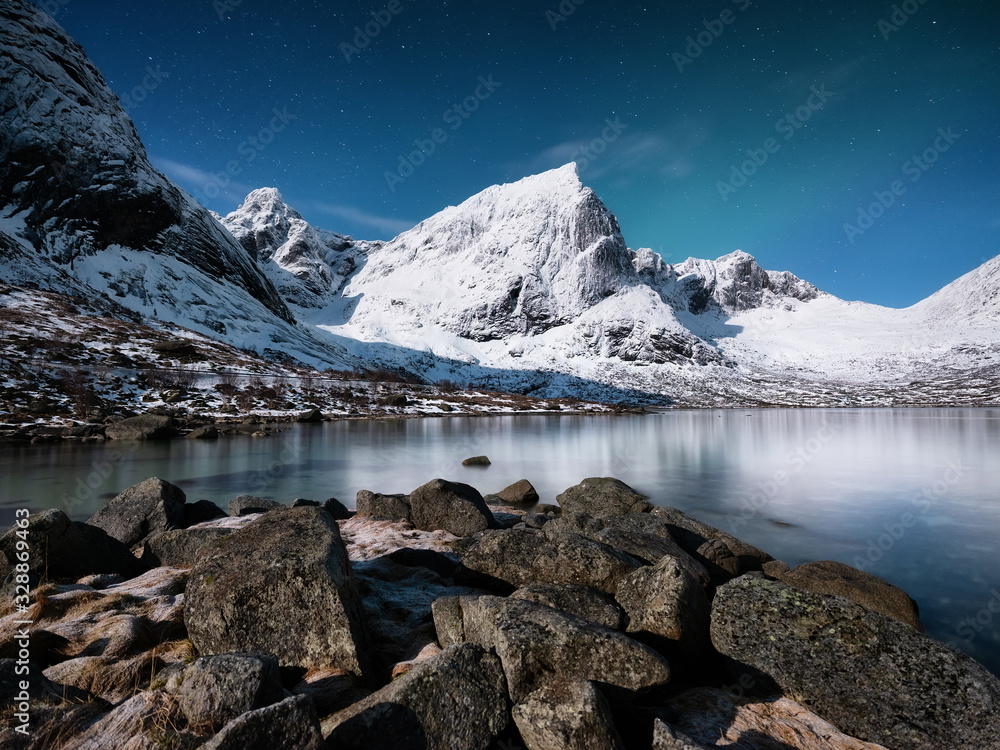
(73, 167)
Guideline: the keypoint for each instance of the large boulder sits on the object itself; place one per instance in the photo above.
(568, 715)
(181, 547)
(380, 507)
(577, 599)
(142, 427)
(59, 548)
(281, 584)
(522, 556)
(664, 601)
(870, 675)
(639, 534)
(830, 577)
(214, 690)
(601, 497)
(454, 701)
(449, 506)
(291, 724)
(521, 493)
(537, 644)
(141, 511)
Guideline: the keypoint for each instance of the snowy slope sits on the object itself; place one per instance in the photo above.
(306, 264)
(82, 211)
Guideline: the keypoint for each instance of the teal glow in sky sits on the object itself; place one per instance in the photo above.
(856, 144)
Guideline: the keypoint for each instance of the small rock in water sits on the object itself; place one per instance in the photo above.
(477, 461)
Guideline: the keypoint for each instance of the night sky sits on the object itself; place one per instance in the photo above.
(765, 131)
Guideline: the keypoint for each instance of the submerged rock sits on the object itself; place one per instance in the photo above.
(281, 584)
(869, 674)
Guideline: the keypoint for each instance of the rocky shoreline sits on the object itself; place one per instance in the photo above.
(165, 424)
(445, 619)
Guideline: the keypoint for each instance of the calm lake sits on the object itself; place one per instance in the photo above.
(910, 495)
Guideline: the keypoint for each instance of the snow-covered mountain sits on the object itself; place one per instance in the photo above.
(82, 211)
(527, 286)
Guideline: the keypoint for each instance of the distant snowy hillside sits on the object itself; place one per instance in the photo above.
(81, 208)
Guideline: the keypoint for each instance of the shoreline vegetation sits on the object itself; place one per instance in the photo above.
(445, 619)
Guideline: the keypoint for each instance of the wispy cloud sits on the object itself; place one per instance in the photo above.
(385, 225)
(198, 181)
(667, 156)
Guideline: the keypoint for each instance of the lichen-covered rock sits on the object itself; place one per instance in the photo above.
(666, 737)
(577, 599)
(870, 675)
(641, 535)
(380, 507)
(61, 548)
(601, 497)
(450, 506)
(148, 508)
(831, 577)
(454, 701)
(281, 584)
(536, 644)
(663, 600)
(522, 556)
(181, 547)
(214, 690)
(567, 715)
(291, 724)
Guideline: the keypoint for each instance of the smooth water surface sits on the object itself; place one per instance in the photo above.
(910, 495)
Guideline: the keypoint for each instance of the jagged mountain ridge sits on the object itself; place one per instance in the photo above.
(531, 282)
